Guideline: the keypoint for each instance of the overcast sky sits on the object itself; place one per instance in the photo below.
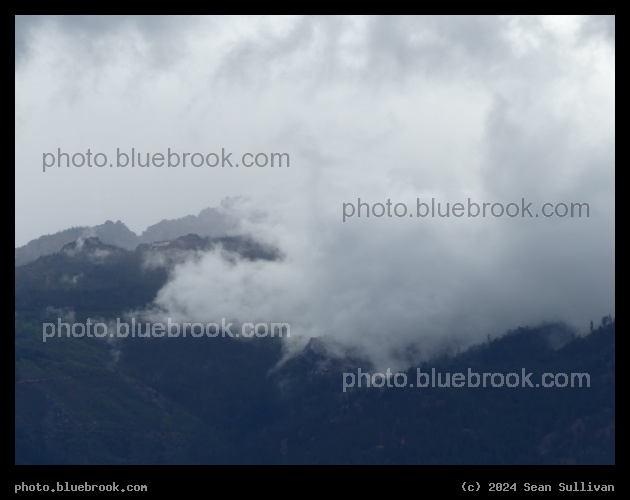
(495, 109)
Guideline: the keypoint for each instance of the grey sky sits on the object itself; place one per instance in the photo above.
(491, 108)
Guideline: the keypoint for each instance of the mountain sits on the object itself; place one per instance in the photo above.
(206, 400)
(111, 233)
(89, 275)
(209, 222)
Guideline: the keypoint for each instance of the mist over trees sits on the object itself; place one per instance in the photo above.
(189, 400)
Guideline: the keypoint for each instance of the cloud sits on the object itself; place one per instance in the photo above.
(496, 109)
(70, 280)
